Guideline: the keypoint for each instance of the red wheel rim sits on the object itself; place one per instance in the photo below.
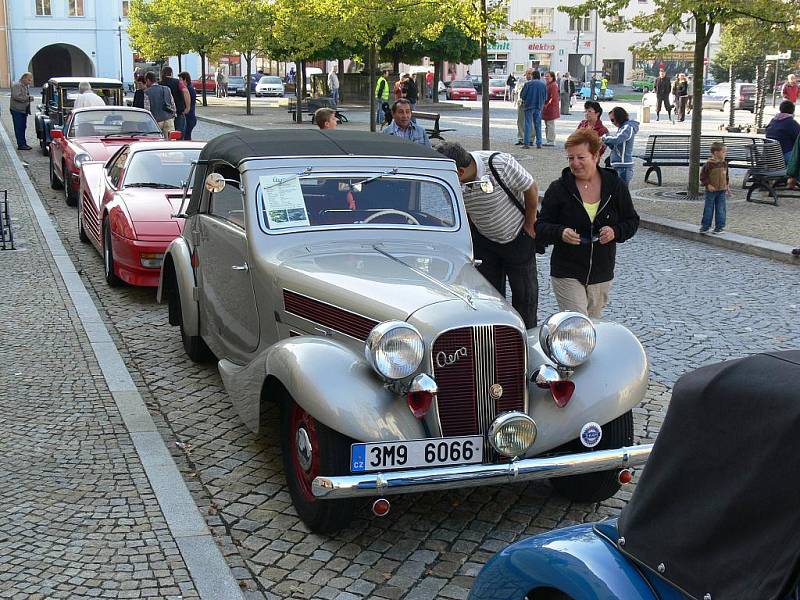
(304, 427)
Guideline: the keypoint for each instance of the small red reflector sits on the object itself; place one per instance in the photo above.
(419, 403)
(625, 476)
(562, 392)
(380, 508)
(195, 260)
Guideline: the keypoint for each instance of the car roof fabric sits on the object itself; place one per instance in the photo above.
(717, 503)
(240, 145)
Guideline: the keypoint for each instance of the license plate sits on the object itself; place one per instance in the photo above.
(385, 456)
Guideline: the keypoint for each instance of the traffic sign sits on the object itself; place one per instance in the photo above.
(782, 56)
(586, 60)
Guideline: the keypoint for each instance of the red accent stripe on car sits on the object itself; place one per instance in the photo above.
(456, 382)
(330, 316)
(509, 368)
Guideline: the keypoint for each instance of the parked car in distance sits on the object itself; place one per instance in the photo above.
(666, 545)
(270, 85)
(349, 254)
(584, 94)
(477, 81)
(462, 89)
(719, 97)
(127, 205)
(210, 84)
(236, 86)
(497, 89)
(645, 83)
(95, 134)
(58, 98)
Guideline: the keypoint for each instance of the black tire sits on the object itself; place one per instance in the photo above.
(194, 345)
(331, 457)
(81, 231)
(69, 196)
(108, 257)
(596, 487)
(55, 182)
(44, 146)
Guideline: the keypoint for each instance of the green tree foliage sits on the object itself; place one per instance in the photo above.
(745, 43)
(247, 20)
(707, 15)
(153, 30)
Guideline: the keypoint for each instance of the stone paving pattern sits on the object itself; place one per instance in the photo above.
(689, 305)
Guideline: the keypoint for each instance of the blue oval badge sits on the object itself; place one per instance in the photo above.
(591, 434)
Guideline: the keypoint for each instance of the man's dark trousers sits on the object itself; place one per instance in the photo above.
(180, 124)
(20, 120)
(517, 260)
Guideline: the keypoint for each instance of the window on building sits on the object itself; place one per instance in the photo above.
(43, 8)
(687, 26)
(580, 23)
(125, 4)
(542, 18)
(75, 8)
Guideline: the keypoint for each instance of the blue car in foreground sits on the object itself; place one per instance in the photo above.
(584, 94)
(714, 517)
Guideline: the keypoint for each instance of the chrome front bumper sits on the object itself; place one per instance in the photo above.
(446, 478)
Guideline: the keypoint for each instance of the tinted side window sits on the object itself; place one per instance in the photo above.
(115, 168)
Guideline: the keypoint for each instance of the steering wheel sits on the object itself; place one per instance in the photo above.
(391, 211)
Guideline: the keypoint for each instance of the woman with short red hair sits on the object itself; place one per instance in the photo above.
(585, 213)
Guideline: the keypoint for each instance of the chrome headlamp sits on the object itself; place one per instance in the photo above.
(81, 158)
(394, 349)
(512, 433)
(568, 338)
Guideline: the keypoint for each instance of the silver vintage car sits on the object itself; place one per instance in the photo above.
(331, 275)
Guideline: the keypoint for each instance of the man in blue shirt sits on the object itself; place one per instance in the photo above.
(533, 96)
(403, 126)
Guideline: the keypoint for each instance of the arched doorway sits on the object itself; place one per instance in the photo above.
(60, 60)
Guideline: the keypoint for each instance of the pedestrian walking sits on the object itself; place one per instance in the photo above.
(410, 90)
(502, 222)
(662, 89)
(86, 97)
(681, 96)
(716, 179)
(566, 91)
(621, 142)
(180, 96)
(191, 114)
(140, 99)
(534, 95)
(429, 84)
(333, 86)
(403, 126)
(585, 214)
(511, 83)
(521, 106)
(784, 129)
(162, 103)
(397, 88)
(220, 82)
(790, 90)
(325, 118)
(592, 113)
(20, 108)
(381, 97)
(551, 110)
(603, 86)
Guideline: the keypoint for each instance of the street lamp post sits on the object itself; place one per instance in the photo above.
(119, 29)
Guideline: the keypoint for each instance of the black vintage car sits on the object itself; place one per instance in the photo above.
(58, 97)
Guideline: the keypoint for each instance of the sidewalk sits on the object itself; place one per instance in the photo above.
(759, 229)
(91, 501)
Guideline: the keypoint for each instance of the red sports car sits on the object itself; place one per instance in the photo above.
(462, 90)
(95, 134)
(127, 207)
(497, 89)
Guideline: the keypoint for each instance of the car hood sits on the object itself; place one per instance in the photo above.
(151, 211)
(100, 149)
(383, 281)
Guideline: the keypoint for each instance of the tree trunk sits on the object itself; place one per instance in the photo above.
(203, 77)
(732, 99)
(248, 59)
(702, 35)
(372, 64)
(438, 65)
(396, 62)
(340, 74)
(298, 91)
(484, 78)
(180, 68)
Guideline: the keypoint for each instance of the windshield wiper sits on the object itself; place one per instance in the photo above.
(149, 184)
(358, 186)
(132, 134)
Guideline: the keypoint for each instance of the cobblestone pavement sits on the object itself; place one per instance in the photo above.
(689, 305)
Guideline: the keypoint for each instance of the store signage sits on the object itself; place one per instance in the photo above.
(542, 47)
(499, 47)
(782, 56)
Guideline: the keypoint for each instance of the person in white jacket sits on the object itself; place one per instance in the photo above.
(333, 86)
(87, 97)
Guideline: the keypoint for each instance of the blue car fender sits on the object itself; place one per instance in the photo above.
(576, 561)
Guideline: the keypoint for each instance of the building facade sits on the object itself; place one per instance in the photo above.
(583, 45)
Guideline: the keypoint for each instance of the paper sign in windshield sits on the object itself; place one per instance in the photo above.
(284, 205)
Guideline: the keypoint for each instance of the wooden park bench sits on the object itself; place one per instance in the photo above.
(310, 106)
(672, 150)
(434, 132)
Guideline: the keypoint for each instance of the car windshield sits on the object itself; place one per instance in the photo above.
(360, 200)
(235, 80)
(270, 80)
(462, 84)
(497, 82)
(111, 122)
(160, 168)
(111, 96)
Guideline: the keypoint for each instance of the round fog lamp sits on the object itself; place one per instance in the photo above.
(512, 434)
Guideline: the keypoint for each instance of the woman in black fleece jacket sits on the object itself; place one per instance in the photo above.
(585, 213)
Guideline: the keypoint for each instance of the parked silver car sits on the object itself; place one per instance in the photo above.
(719, 97)
(332, 276)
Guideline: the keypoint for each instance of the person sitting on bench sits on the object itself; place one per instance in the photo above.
(403, 126)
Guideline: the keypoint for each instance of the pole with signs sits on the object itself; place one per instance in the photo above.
(777, 58)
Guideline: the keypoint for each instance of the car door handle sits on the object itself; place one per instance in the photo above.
(243, 267)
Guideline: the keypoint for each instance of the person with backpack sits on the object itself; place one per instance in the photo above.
(180, 96)
(381, 97)
(162, 104)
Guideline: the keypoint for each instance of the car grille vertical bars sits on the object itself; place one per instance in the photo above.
(483, 342)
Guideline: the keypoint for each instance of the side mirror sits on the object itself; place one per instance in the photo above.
(215, 183)
(175, 135)
(56, 134)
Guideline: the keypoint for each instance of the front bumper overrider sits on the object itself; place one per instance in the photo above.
(446, 478)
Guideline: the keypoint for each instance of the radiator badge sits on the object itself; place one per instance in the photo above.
(591, 434)
(496, 391)
(444, 359)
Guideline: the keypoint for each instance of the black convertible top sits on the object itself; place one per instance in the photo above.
(718, 504)
(239, 145)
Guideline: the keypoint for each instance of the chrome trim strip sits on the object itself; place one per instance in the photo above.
(483, 342)
(446, 478)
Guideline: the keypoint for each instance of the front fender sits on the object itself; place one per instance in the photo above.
(574, 560)
(177, 269)
(329, 381)
(612, 382)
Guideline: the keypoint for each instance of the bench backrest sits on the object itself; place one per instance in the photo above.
(769, 156)
(676, 147)
(426, 116)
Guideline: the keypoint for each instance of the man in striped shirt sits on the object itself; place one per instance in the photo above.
(502, 227)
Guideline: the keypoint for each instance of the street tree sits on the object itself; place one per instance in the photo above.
(451, 45)
(705, 15)
(247, 21)
(745, 43)
(153, 29)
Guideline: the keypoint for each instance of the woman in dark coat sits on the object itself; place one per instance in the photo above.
(585, 214)
(191, 115)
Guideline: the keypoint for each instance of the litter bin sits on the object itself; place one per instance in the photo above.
(645, 114)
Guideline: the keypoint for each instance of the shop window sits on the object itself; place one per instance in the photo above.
(580, 23)
(43, 8)
(75, 8)
(542, 18)
(125, 7)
